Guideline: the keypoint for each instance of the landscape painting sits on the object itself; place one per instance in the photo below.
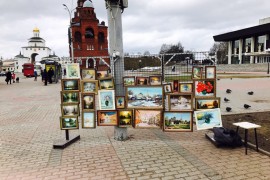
(155, 80)
(73, 70)
(89, 86)
(210, 72)
(88, 74)
(207, 119)
(180, 102)
(69, 123)
(106, 83)
(107, 118)
(88, 119)
(70, 84)
(150, 97)
(142, 81)
(70, 97)
(178, 121)
(129, 81)
(125, 118)
(207, 103)
(147, 118)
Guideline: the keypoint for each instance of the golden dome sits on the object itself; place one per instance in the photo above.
(35, 29)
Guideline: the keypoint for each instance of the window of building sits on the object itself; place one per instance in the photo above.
(247, 45)
(259, 43)
(235, 47)
(78, 36)
(89, 33)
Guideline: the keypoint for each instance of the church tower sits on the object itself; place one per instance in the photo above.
(89, 37)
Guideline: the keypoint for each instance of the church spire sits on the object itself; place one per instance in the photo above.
(36, 32)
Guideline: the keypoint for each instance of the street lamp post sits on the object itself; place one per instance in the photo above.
(70, 33)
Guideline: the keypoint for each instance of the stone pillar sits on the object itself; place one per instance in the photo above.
(230, 52)
(252, 47)
(240, 50)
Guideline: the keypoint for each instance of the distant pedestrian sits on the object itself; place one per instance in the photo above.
(8, 77)
(45, 76)
(50, 75)
(35, 75)
(13, 77)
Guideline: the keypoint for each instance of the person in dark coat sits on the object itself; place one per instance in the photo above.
(8, 77)
(45, 76)
(50, 75)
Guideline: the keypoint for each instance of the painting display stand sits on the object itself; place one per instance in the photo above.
(61, 144)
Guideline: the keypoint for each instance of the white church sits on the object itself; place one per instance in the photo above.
(34, 53)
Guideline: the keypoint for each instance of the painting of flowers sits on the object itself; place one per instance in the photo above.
(205, 88)
(208, 119)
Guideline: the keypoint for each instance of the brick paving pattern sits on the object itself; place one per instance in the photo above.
(29, 125)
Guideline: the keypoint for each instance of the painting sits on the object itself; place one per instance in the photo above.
(73, 70)
(197, 72)
(175, 86)
(106, 99)
(88, 101)
(70, 109)
(180, 102)
(204, 88)
(147, 118)
(102, 74)
(70, 97)
(210, 72)
(186, 88)
(107, 118)
(70, 84)
(207, 119)
(88, 73)
(207, 103)
(88, 119)
(125, 118)
(120, 102)
(129, 81)
(106, 83)
(177, 121)
(155, 80)
(139, 97)
(69, 122)
(167, 88)
(89, 86)
(142, 81)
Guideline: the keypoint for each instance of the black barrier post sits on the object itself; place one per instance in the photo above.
(268, 68)
(67, 135)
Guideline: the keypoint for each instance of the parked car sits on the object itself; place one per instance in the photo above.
(2, 73)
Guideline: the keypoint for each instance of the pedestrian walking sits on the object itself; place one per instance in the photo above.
(13, 77)
(8, 77)
(45, 76)
(35, 75)
(50, 75)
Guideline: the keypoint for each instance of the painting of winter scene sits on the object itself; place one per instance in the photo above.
(147, 119)
(150, 97)
(178, 121)
(207, 119)
(180, 102)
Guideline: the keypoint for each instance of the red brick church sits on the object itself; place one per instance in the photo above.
(89, 37)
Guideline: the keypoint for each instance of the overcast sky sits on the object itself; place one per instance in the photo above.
(147, 24)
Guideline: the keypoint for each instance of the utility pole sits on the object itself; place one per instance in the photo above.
(115, 9)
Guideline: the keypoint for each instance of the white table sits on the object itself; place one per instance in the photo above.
(247, 126)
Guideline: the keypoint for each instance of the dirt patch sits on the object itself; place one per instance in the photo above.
(261, 101)
(260, 118)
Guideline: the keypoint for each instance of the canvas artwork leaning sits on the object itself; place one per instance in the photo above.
(207, 119)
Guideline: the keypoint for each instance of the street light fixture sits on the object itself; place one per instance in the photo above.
(70, 33)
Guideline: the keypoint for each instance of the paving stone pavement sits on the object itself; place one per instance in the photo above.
(29, 125)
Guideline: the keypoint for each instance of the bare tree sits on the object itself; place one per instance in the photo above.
(221, 51)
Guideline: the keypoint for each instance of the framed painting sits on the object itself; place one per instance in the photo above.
(120, 102)
(180, 102)
(204, 88)
(197, 72)
(210, 72)
(106, 83)
(88, 119)
(89, 86)
(149, 97)
(73, 70)
(207, 103)
(88, 101)
(177, 121)
(186, 88)
(70, 97)
(155, 80)
(125, 118)
(142, 81)
(107, 118)
(69, 122)
(106, 99)
(175, 86)
(207, 119)
(147, 118)
(102, 74)
(167, 88)
(70, 84)
(129, 81)
(88, 73)
(70, 109)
